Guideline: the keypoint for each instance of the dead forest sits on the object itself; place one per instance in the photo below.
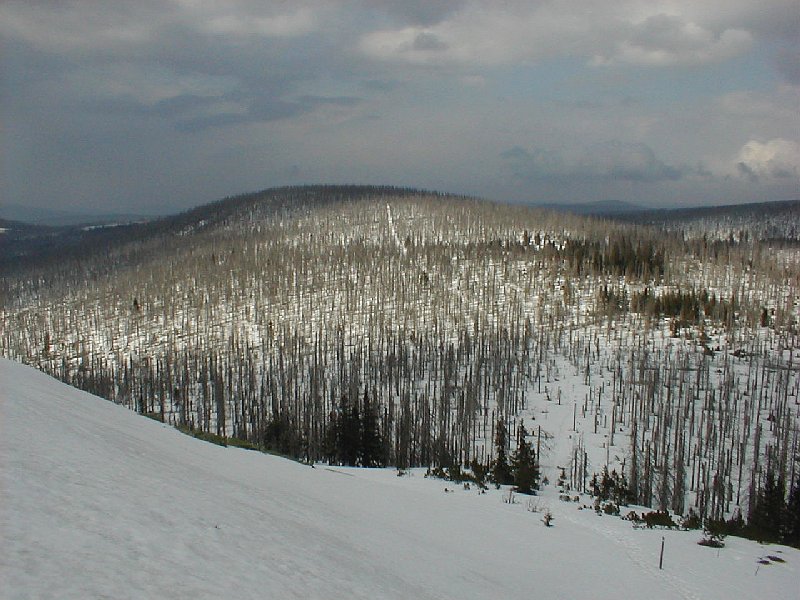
(382, 326)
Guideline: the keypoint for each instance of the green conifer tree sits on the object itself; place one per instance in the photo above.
(501, 472)
(765, 522)
(371, 446)
(523, 465)
(348, 433)
(791, 520)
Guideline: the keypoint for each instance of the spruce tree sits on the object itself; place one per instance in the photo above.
(371, 446)
(523, 465)
(330, 442)
(501, 472)
(765, 522)
(348, 434)
(791, 520)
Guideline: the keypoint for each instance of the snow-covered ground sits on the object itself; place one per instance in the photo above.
(99, 502)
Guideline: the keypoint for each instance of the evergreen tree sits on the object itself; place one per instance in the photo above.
(765, 521)
(371, 446)
(610, 486)
(634, 478)
(501, 472)
(348, 433)
(594, 486)
(524, 466)
(791, 520)
(606, 485)
(330, 446)
(620, 493)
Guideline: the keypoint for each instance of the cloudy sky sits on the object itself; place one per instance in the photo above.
(156, 106)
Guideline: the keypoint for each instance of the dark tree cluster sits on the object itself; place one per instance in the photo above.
(611, 487)
(620, 254)
(774, 517)
(690, 307)
(522, 471)
(353, 435)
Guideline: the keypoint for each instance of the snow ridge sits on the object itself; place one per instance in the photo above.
(100, 502)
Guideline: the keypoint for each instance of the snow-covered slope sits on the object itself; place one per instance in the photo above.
(100, 502)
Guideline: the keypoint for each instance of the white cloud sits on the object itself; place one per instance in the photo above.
(665, 40)
(293, 24)
(69, 27)
(89, 25)
(632, 32)
(778, 105)
(778, 158)
(474, 36)
(144, 85)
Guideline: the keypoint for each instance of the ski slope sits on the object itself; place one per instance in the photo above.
(98, 502)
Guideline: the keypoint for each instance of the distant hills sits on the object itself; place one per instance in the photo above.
(599, 208)
(638, 213)
(778, 221)
(28, 233)
(627, 211)
(55, 217)
(729, 210)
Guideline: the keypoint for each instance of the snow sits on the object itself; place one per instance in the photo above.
(100, 502)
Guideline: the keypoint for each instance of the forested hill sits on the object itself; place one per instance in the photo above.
(383, 326)
(776, 221)
(28, 245)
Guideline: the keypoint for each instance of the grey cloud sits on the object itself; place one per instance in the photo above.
(787, 62)
(420, 12)
(516, 153)
(232, 79)
(201, 123)
(611, 161)
(179, 106)
(155, 98)
(540, 164)
(426, 42)
(746, 171)
(182, 104)
(190, 113)
(314, 101)
(667, 40)
(627, 161)
(380, 85)
(782, 173)
(265, 110)
(665, 33)
(774, 171)
(262, 110)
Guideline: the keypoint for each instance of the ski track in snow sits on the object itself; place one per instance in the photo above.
(99, 502)
(393, 229)
(636, 553)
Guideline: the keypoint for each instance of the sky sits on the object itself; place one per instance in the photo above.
(152, 107)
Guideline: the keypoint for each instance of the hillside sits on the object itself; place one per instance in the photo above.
(777, 221)
(292, 318)
(98, 502)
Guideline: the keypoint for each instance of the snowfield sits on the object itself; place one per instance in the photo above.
(98, 502)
